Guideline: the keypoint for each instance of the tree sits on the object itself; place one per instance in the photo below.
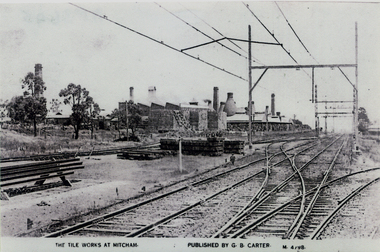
(54, 106)
(134, 117)
(34, 102)
(31, 106)
(82, 105)
(16, 109)
(363, 120)
(3, 109)
(34, 85)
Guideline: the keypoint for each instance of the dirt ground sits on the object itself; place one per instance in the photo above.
(99, 181)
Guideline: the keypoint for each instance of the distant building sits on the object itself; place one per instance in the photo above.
(58, 118)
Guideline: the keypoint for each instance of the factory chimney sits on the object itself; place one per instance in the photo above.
(152, 94)
(38, 73)
(38, 70)
(266, 113)
(230, 108)
(272, 106)
(216, 99)
(131, 97)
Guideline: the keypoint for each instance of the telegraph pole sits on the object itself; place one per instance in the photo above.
(325, 118)
(356, 97)
(126, 118)
(180, 153)
(249, 89)
(315, 103)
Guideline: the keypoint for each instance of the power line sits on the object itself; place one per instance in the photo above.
(275, 38)
(159, 42)
(299, 39)
(200, 31)
(246, 5)
(255, 59)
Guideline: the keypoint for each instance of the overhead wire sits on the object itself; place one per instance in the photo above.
(217, 31)
(272, 34)
(274, 37)
(304, 46)
(299, 39)
(214, 39)
(200, 31)
(159, 42)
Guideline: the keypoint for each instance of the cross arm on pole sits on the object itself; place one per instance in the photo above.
(333, 113)
(304, 66)
(214, 41)
(347, 78)
(255, 42)
(217, 40)
(257, 82)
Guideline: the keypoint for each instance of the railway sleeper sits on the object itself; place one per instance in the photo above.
(110, 223)
(274, 225)
(270, 230)
(288, 213)
(321, 210)
(319, 214)
(116, 231)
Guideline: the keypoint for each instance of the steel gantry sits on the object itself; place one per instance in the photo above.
(314, 87)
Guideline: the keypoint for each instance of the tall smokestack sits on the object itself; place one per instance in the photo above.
(216, 99)
(152, 94)
(272, 106)
(38, 70)
(131, 97)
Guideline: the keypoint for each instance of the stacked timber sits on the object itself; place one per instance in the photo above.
(169, 144)
(234, 146)
(144, 154)
(212, 146)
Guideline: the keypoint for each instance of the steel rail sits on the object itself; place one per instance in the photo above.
(180, 189)
(316, 194)
(254, 198)
(248, 207)
(170, 217)
(90, 222)
(265, 197)
(284, 183)
(303, 200)
(342, 203)
(268, 215)
(120, 211)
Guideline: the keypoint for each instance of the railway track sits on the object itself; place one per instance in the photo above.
(284, 194)
(187, 197)
(265, 217)
(297, 218)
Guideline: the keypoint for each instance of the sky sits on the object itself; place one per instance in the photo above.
(75, 46)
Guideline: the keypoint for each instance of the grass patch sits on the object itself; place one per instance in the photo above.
(370, 149)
